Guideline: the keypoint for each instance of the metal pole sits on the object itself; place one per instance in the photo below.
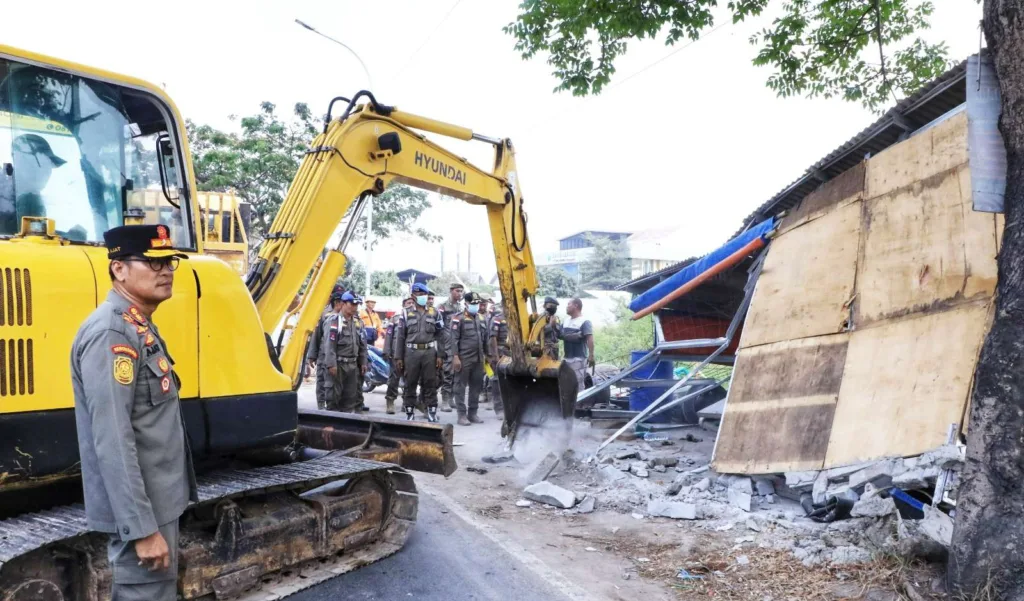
(369, 80)
(369, 241)
(687, 397)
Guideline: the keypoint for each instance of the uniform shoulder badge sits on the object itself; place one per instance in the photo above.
(124, 349)
(150, 339)
(163, 365)
(137, 315)
(124, 370)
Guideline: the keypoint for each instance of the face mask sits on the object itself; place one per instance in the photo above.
(474, 309)
(551, 310)
(421, 301)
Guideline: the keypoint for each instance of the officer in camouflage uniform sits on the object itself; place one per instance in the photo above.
(419, 353)
(344, 348)
(497, 347)
(315, 352)
(394, 378)
(137, 474)
(451, 307)
(468, 337)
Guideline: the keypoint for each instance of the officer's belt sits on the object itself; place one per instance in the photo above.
(420, 347)
(347, 359)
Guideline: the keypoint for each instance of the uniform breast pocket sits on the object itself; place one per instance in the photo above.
(160, 380)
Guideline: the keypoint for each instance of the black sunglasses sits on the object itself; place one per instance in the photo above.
(156, 263)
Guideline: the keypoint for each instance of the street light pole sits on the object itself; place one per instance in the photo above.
(369, 80)
(369, 200)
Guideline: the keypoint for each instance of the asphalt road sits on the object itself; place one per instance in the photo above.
(445, 559)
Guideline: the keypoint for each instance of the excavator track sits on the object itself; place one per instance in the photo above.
(256, 534)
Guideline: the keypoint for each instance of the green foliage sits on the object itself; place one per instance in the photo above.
(613, 343)
(554, 281)
(382, 283)
(607, 266)
(260, 160)
(860, 50)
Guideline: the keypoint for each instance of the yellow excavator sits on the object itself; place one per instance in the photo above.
(282, 491)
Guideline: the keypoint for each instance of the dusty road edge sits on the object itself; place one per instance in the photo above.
(535, 564)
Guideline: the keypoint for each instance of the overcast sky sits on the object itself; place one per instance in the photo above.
(694, 141)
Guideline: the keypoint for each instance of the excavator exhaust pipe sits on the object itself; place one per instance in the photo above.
(539, 406)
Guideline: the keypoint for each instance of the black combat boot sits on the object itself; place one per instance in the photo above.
(432, 414)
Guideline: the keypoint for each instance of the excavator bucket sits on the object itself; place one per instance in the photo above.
(538, 409)
(417, 446)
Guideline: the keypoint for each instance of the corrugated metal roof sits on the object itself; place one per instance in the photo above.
(934, 100)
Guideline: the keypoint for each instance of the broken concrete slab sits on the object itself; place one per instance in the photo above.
(703, 485)
(671, 509)
(587, 505)
(801, 481)
(917, 479)
(739, 483)
(820, 488)
(740, 499)
(764, 486)
(879, 474)
(612, 473)
(946, 457)
(937, 525)
(543, 469)
(660, 469)
(873, 507)
(550, 494)
(639, 470)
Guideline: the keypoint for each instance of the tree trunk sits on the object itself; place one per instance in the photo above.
(988, 540)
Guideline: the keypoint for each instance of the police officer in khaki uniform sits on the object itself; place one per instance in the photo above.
(344, 347)
(468, 337)
(449, 308)
(315, 352)
(419, 353)
(137, 473)
(394, 378)
(497, 347)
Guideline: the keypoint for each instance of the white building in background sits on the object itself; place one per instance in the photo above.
(649, 250)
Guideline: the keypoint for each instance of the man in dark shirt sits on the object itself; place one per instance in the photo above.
(578, 341)
(33, 163)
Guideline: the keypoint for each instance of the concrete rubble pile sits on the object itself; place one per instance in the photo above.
(837, 516)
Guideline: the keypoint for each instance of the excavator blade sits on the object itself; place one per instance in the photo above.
(417, 446)
(538, 408)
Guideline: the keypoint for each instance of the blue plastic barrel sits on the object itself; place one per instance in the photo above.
(656, 370)
(641, 398)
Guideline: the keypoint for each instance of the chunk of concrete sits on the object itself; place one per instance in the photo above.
(639, 470)
(549, 494)
(740, 499)
(612, 473)
(801, 481)
(873, 507)
(937, 526)
(665, 461)
(946, 457)
(659, 468)
(523, 503)
(918, 479)
(879, 474)
(627, 454)
(671, 509)
(703, 485)
(764, 486)
(543, 469)
(587, 505)
(820, 488)
(739, 483)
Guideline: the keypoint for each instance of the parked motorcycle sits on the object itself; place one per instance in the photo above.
(378, 372)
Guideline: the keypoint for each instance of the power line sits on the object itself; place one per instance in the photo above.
(409, 60)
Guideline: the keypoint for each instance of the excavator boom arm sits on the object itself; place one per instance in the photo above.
(368, 149)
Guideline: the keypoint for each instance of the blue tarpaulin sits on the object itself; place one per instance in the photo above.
(701, 265)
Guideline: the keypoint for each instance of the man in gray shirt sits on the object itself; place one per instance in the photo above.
(577, 336)
(137, 471)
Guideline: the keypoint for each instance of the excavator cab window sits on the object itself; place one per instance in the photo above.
(82, 152)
